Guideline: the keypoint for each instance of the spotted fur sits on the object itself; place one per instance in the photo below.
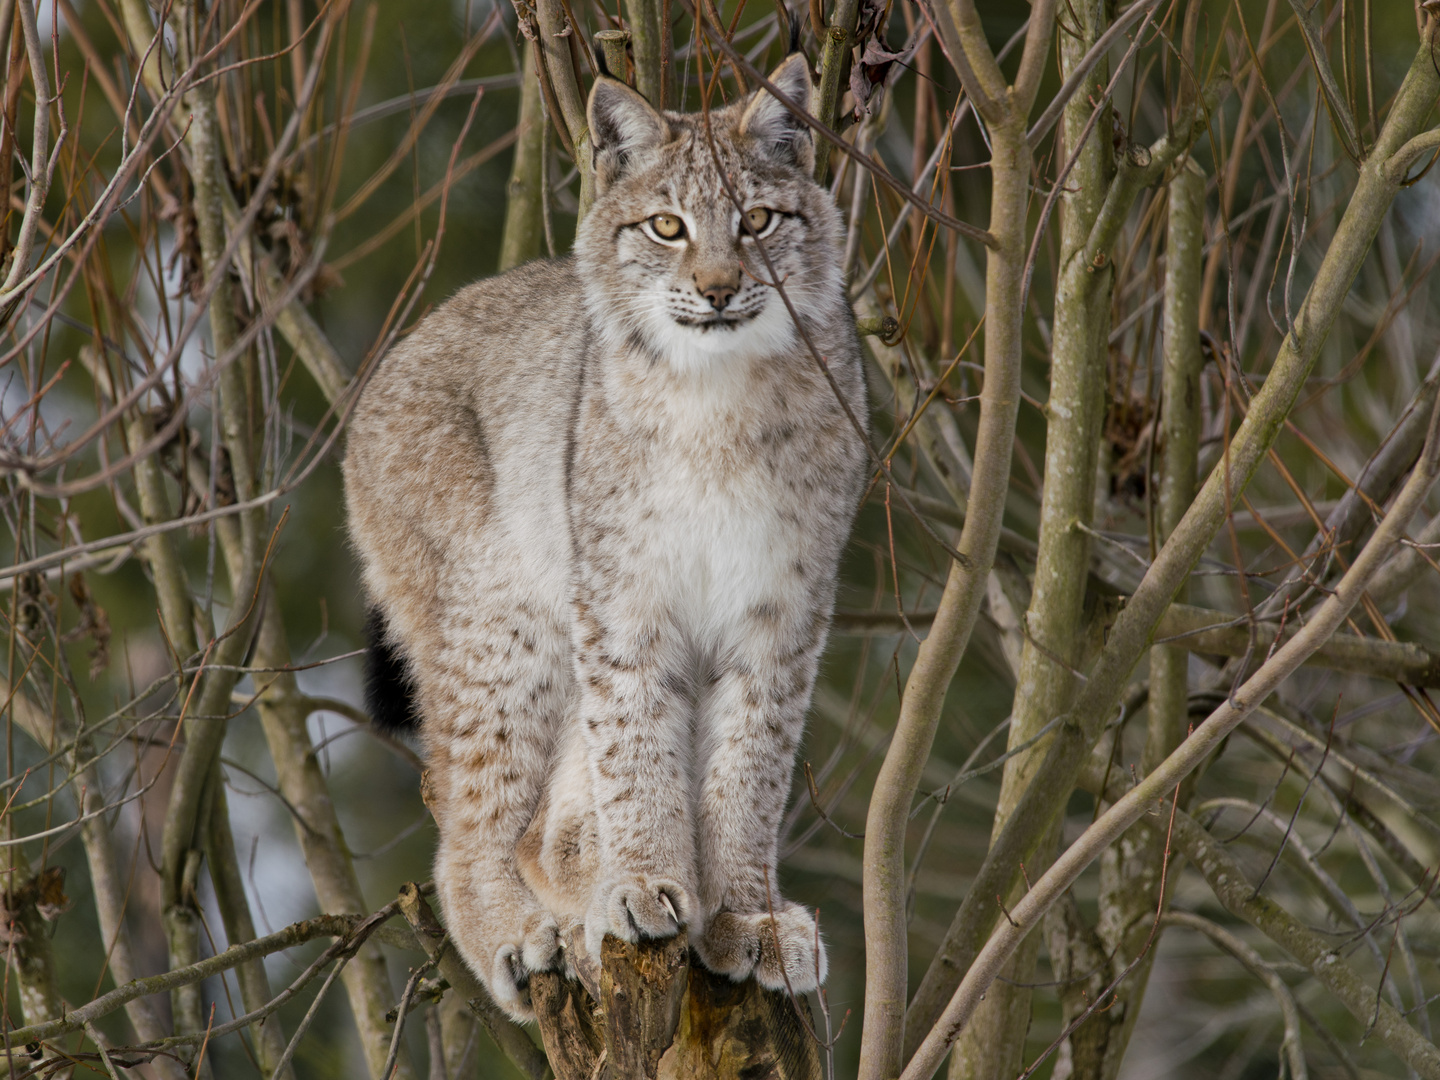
(600, 502)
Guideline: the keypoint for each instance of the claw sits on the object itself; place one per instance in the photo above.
(668, 906)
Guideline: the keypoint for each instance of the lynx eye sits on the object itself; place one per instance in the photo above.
(759, 219)
(667, 226)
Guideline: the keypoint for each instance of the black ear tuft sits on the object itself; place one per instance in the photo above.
(789, 27)
(777, 132)
(624, 129)
(600, 65)
(389, 694)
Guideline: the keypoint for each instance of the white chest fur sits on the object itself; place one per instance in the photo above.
(719, 527)
(723, 549)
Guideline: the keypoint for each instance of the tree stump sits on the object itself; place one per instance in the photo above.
(650, 1013)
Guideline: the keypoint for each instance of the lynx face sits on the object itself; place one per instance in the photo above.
(667, 260)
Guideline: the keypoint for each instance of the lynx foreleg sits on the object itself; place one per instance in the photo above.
(750, 727)
(491, 713)
(635, 712)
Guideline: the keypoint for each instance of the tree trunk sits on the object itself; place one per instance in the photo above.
(660, 1017)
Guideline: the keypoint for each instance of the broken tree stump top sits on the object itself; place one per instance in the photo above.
(661, 1017)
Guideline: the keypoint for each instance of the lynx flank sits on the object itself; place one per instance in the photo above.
(600, 503)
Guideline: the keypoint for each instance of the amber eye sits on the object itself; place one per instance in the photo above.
(758, 218)
(667, 226)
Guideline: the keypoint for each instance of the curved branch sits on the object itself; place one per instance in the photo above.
(1051, 116)
(1131, 634)
(1155, 788)
(1254, 963)
(884, 884)
(341, 926)
(981, 74)
(1401, 161)
(1227, 880)
(39, 149)
(1035, 57)
(1407, 565)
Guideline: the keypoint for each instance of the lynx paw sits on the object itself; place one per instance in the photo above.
(536, 947)
(782, 951)
(635, 906)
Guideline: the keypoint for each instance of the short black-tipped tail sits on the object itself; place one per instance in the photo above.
(389, 695)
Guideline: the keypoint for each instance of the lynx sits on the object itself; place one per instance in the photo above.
(600, 503)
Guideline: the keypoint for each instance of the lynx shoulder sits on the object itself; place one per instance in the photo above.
(599, 504)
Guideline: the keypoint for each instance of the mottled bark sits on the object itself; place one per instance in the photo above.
(1131, 871)
(993, 1045)
(523, 231)
(661, 1017)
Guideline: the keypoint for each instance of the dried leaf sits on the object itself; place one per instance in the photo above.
(94, 623)
(50, 898)
(45, 893)
(868, 76)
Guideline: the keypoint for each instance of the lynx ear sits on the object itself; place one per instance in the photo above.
(624, 129)
(778, 133)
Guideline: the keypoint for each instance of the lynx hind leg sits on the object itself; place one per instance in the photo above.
(491, 710)
(782, 952)
(501, 929)
(559, 855)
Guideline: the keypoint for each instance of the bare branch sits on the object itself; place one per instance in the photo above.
(346, 927)
(1154, 788)
(1132, 631)
(40, 171)
(1254, 963)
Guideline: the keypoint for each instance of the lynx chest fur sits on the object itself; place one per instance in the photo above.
(600, 504)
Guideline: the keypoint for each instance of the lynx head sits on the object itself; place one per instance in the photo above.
(667, 261)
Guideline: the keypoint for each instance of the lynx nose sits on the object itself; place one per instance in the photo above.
(719, 293)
